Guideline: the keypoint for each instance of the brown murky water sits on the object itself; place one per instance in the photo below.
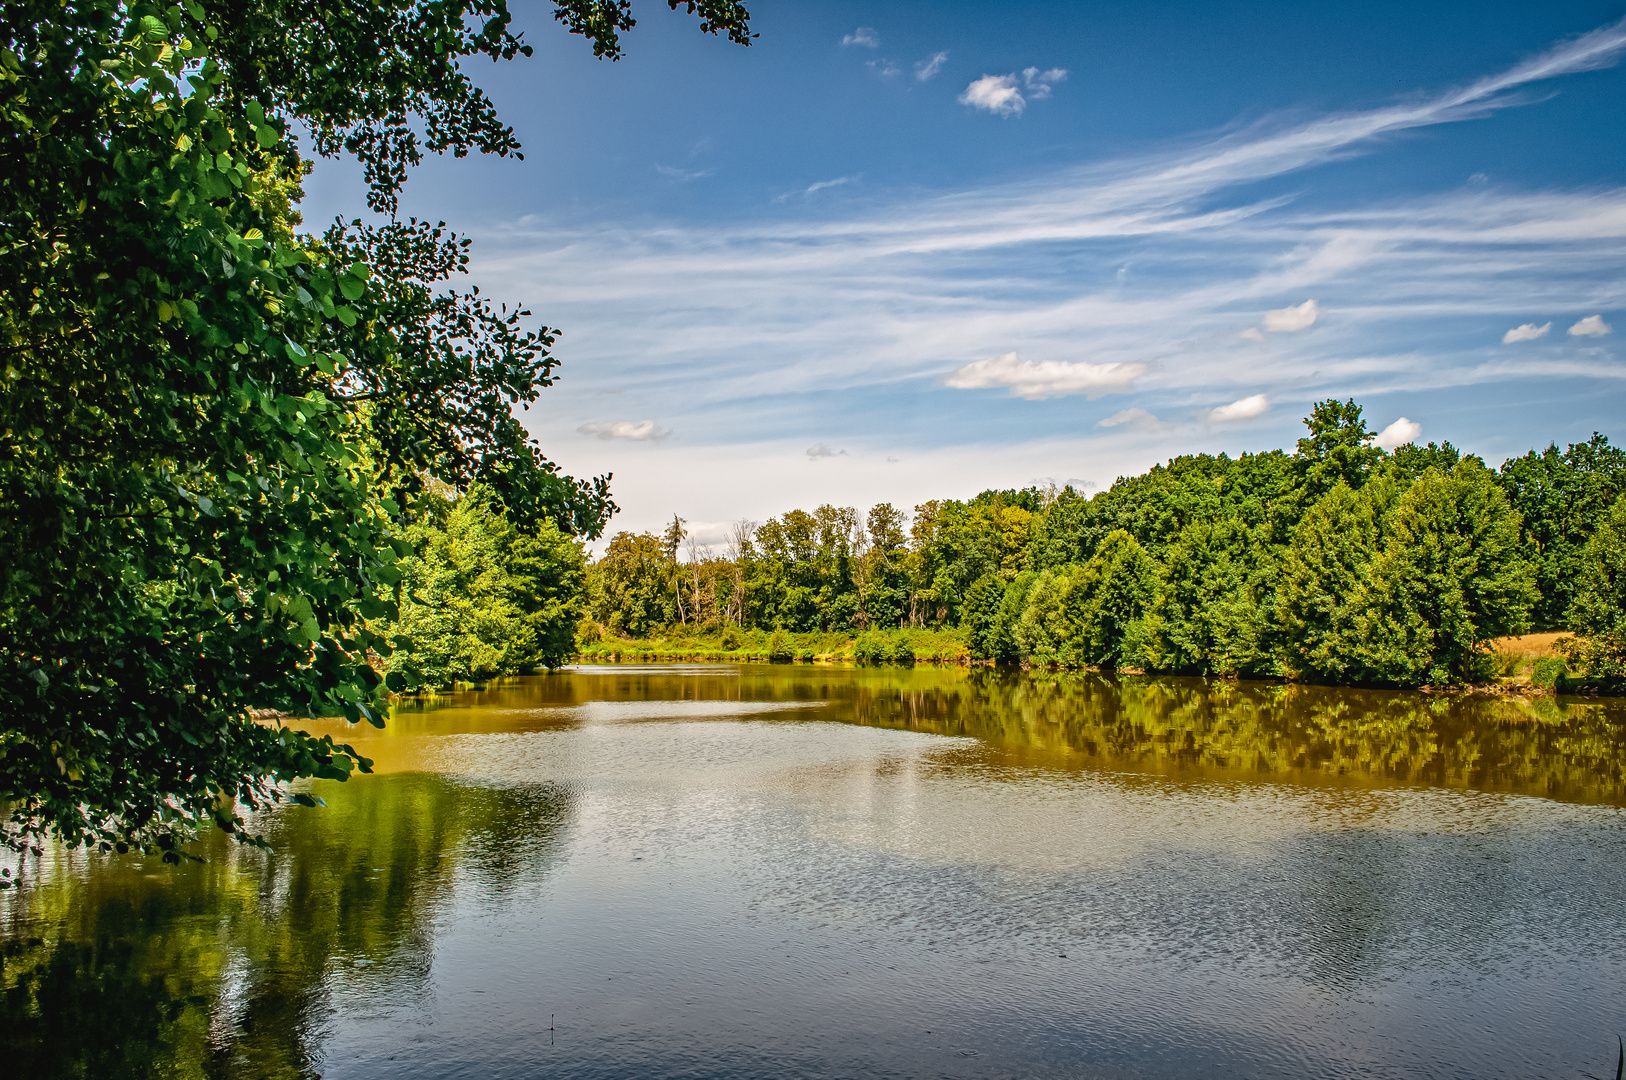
(793, 871)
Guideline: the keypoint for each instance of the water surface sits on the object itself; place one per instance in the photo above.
(724, 871)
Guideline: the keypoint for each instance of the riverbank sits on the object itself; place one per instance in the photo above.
(1524, 664)
(908, 646)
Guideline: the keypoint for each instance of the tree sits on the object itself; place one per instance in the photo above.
(212, 424)
(483, 597)
(1043, 634)
(1598, 613)
(1338, 449)
(631, 586)
(1322, 576)
(1451, 578)
(883, 584)
(1106, 601)
(993, 609)
(1404, 584)
(1211, 614)
(1562, 496)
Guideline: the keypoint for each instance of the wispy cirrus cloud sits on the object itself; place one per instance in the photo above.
(682, 175)
(820, 185)
(1014, 286)
(930, 66)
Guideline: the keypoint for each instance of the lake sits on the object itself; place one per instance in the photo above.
(812, 871)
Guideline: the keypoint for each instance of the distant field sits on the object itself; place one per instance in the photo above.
(1529, 646)
(1515, 655)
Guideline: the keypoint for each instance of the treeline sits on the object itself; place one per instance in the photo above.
(1339, 562)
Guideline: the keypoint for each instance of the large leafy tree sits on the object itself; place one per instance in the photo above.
(210, 424)
(1562, 496)
(484, 597)
(1598, 613)
(632, 585)
(1404, 583)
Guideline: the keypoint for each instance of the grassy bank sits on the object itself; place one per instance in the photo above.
(742, 646)
(1530, 660)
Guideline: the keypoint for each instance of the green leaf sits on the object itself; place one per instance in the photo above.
(352, 286)
(266, 136)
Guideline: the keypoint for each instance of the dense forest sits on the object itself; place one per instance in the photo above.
(1339, 562)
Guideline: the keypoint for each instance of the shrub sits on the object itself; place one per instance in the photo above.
(731, 638)
(901, 651)
(779, 648)
(1549, 671)
(870, 648)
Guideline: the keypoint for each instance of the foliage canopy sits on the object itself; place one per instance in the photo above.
(213, 428)
(1340, 562)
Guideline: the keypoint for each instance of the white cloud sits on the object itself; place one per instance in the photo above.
(1591, 326)
(636, 431)
(1526, 332)
(999, 94)
(1290, 320)
(883, 67)
(1039, 82)
(864, 36)
(1252, 333)
(1242, 409)
(1134, 419)
(1036, 380)
(931, 66)
(1399, 433)
(995, 93)
(820, 450)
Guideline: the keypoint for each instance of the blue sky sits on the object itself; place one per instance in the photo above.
(901, 251)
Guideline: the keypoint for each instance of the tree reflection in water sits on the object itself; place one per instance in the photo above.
(1572, 750)
(256, 964)
(224, 968)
